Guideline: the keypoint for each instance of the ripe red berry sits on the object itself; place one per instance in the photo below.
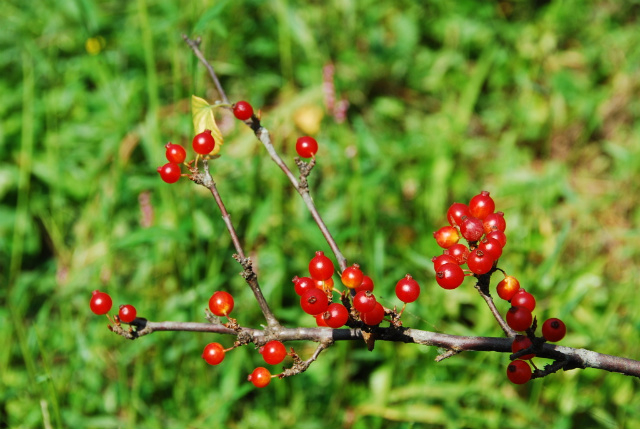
(352, 276)
(213, 353)
(553, 329)
(314, 301)
(519, 318)
(221, 303)
(450, 276)
(175, 153)
(491, 247)
(507, 287)
(273, 352)
(446, 236)
(242, 110)
(127, 313)
(519, 372)
(302, 284)
(494, 221)
(456, 212)
(336, 315)
(479, 262)
(260, 377)
(440, 260)
(524, 299)
(100, 302)
(407, 289)
(364, 301)
(321, 267)
(499, 236)
(203, 143)
(481, 205)
(306, 147)
(320, 320)
(459, 252)
(522, 342)
(367, 284)
(373, 317)
(471, 228)
(170, 172)
(326, 285)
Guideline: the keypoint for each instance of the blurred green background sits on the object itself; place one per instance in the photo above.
(536, 101)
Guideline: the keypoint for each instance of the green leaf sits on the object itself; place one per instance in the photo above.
(203, 119)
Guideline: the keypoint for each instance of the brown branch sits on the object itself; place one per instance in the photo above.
(482, 285)
(195, 46)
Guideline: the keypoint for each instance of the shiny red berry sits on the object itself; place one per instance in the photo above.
(213, 353)
(273, 352)
(203, 143)
(499, 236)
(242, 110)
(456, 212)
(449, 276)
(524, 299)
(440, 260)
(100, 302)
(321, 267)
(367, 284)
(260, 377)
(352, 276)
(519, 372)
(522, 342)
(221, 303)
(459, 252)
(493, 222)
(479, 262)
(336, 315)
(306, 147)
(507, 287)
(481, 205)
(303, 284)
(407, 289)
(364, 301)
(519, 318)
(553, 329)
(170, 172)
(127, 313)
(175, 153)
(471, 228)
(373, 317)
(491, 247)
(314, 301)
(446, 236)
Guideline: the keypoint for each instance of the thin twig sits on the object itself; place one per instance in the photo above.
(195, 46)
(482, 285)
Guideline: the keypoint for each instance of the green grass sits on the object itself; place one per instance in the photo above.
(535, 103)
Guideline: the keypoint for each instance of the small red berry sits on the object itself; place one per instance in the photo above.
(321, 267)
(522, 342)
(373, 317)
(260, 377)
(494, 221)
(524, 299)
(481, 205)
(459, 252)
(491, 247)
(314, 301)
(213, 353)
(479, 262)
(499, 236)
(471, 228)
(450, 276)
(242, 110)
(446, 236)
(306, 147)
(367, 284)
(364, 301)
(352, 276)
(325, 285)
(336, 315)
(175, 153)
(508, 287)
(127, 313)
(170, 172)
(320, 320)
(407, 289)
(456, 212)
(203, 143)
(553, 329)
(221, 303)
(440, 260)
(302, 284)
(273, 352)
(519, 318)
(519, 372)
(100, 302)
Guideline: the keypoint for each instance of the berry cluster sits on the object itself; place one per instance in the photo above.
(484, 230)
(101, 303)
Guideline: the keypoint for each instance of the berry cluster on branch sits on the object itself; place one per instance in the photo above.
(354, 313)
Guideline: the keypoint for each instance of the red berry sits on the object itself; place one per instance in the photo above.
(491, 247)
(373, 317)
(499, 236)
(522, 342)
(273, 352)
(471, 228)
(175, 153)
(507, 287)
(493, 222)
(519, 372)
(314, 301)
(242, 110)
(213, 353)
(440, 260)
(459, 252)
(321, 267)
(367, 284)
(100, 302)
(203, 143)
(352, 276)
(519, 318)
(127, 313)
(553, 329)
(260, 377)
(325, 285)
(407, 289)
(306, 147)
(481, 205)
(336, 315)
(456, 212)
(446, 236)
(364, 301)
(302, 284)
(450, 276)
(320, 320)
(524, 299)
(479, 263)
(170, 172)
(221, 303)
